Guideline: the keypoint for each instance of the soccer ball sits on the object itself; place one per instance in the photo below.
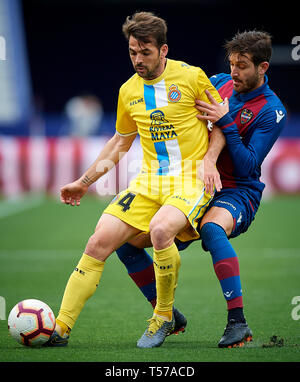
(31, 322)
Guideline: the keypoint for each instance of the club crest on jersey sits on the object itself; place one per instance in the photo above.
(246, 116)
(174, 94)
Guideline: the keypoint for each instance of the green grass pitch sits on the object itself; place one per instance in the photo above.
(40, 246)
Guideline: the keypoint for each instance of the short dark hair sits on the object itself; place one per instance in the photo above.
(257, 44)
(146, 27)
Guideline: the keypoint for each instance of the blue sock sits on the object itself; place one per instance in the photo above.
(225, 262)
(139, 265)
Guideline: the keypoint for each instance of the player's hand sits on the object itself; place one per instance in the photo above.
(212, 111)
(72, 193)
(211, 177)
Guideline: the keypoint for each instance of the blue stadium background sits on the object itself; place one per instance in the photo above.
(60, 49)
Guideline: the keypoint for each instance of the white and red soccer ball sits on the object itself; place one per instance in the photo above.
(31, 322)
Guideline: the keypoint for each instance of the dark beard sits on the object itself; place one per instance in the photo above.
(149, 74)
(251, 84)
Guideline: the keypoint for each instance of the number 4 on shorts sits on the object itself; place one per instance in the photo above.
(126, 201)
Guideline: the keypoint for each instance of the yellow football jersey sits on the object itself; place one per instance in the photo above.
(162, 111)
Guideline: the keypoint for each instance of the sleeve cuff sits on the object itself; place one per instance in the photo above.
(127, 134)
(225, 121)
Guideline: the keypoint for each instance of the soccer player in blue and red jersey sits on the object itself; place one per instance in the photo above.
(251, 119)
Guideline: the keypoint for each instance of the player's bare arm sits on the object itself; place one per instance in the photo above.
(211, 175)
(210, 112)
(111, 154)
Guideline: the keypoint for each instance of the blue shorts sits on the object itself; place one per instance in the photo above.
(238, 203)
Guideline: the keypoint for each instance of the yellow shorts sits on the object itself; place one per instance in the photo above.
(138, 204)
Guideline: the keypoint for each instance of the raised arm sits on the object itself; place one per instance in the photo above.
(245, 158)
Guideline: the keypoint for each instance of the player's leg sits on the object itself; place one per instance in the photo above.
(139, 265)
(178, 218)
(164, 226)
(216, 226)
(109, 234)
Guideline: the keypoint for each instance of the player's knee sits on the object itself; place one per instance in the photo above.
(210, 233)
(99, 246)
(220, 217)
(160, 236)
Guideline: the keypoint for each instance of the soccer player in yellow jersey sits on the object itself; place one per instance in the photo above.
(167, 197)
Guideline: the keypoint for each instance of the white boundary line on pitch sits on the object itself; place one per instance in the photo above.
(19, 204)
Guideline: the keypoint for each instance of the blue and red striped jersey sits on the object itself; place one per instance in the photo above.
(251, 127)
